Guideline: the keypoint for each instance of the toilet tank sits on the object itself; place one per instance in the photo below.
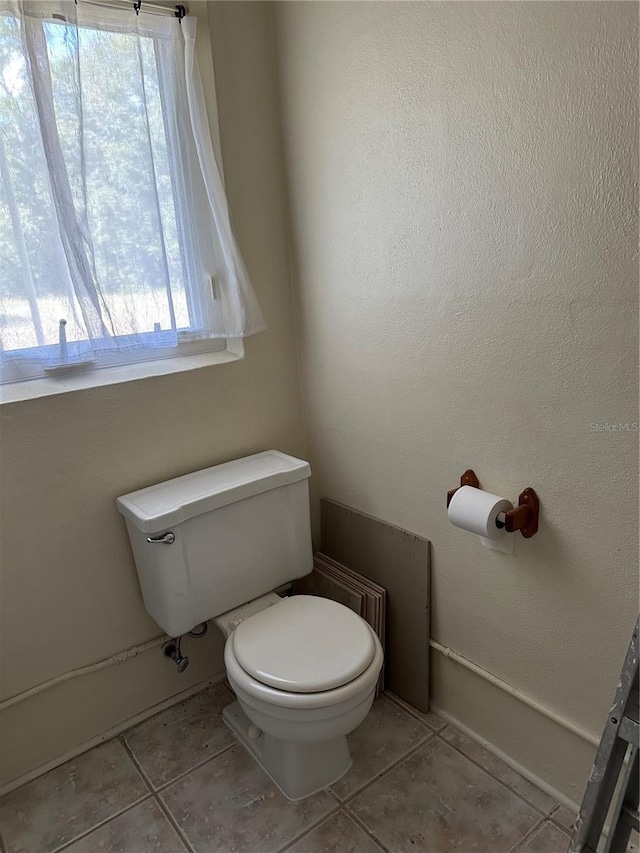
(233, 532)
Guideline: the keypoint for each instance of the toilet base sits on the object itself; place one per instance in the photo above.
(298, 769)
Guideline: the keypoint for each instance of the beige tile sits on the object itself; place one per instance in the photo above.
(183, 736)
(565, 817)
(438, 801)
(70, 800)
(547, 839)
(337, 834)
(385, 736)
(230, 804)
(476, 752)
(431, 719)
(143, 829)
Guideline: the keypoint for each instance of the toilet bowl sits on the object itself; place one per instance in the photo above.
(329, 660)
(213, 545)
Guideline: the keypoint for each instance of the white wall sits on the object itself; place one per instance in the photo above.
(462, 181)
(70, 594)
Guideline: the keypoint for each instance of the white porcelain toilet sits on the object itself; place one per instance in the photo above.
(215, 544)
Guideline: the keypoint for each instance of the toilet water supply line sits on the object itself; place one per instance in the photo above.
(445, 651)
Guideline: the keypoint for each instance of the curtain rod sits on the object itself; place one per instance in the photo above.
(177, 10)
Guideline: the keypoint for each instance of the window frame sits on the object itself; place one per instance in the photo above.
(26, 380)
(85, 380)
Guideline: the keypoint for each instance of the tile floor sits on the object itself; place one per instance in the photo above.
(179, 782)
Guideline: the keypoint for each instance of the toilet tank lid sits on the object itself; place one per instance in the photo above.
(158, 507)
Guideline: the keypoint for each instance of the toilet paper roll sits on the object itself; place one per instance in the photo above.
(477, 511)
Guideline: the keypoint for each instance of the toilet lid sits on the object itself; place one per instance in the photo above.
(305, 644)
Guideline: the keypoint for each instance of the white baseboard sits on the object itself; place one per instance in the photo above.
(525, 698)
(519, 768)
(114, 731)
(555, 756)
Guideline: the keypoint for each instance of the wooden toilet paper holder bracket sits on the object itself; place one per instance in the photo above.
(523, 517)
(468, 479)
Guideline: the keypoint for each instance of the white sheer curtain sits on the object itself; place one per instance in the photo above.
(113, 215)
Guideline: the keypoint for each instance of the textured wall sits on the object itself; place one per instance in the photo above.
(462, 180)
(69, 587)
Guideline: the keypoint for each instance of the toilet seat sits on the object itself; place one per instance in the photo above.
(255, 690)
(304, 644)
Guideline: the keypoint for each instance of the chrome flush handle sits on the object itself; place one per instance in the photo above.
(165, 539)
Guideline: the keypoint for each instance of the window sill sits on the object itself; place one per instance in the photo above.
(14, 392)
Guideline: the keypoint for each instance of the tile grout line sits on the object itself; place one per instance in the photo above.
(413, 712)
(346, 804)
(156, 798)
(128, 808)
(342, 804)
(136, 764)
(348, 800)
(563, 829)
(400, 703)
(339, 807)
(195, 767)
(335, 811)
(173, 822)
(163, 787)
(365, 828)
(410, 709)
(331, 813)
(527, 836)
(429, 734)
(568, 830)
(546, 815)
(102, 823)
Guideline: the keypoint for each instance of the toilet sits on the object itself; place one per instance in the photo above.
(216, 545)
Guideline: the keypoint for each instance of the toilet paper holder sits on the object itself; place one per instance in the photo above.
(523, 517)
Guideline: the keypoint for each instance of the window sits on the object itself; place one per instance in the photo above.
(115, 243)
